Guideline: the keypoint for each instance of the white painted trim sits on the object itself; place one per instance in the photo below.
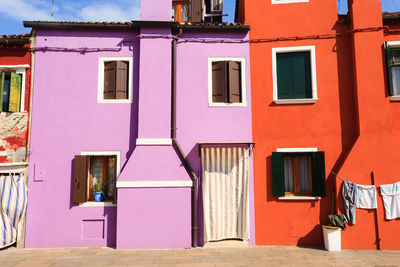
(394, 98)
(12, 168)
(25, 66)
(299, 198)
(154, 141)
(106, 153)
(151, 184)
(19, 69)
(13, 164)
(97, 204)
(288, 1)
(393, 43)
(243, 74)
(311, 49)
(297, 149)
(100, 84)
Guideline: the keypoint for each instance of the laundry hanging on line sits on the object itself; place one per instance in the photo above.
(391, 200)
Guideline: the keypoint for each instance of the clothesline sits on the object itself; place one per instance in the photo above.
(342, 178)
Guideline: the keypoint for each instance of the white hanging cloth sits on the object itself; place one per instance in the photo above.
(391, 200)
(13, 199)
(225, 193)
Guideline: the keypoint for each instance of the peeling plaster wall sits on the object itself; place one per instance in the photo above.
(13, 136)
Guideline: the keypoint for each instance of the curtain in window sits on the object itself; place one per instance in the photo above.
(288, 174)
(13, 198)
(15, 92)
(225, 192)
(396, 79)
(2, 77)
(304, 174)
(217, 5)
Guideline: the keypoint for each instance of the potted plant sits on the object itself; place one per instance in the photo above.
(97, 190)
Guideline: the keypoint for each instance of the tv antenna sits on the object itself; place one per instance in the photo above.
(52, 9)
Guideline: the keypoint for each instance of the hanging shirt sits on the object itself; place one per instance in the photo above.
(391, 200)
(366, 197)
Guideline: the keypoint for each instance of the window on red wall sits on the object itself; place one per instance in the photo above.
(12, 89)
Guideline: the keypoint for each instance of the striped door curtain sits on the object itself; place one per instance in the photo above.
(13, 198)
(225, 193)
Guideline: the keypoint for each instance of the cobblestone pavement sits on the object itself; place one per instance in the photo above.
(204, 257)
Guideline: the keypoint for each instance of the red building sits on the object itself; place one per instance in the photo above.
(15, 82)
(323, 111)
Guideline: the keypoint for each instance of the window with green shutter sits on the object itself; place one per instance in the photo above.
(294, 75)
(298, 174)
(393, 68)
(11, 90)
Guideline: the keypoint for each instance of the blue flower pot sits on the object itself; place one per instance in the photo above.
(98, 196)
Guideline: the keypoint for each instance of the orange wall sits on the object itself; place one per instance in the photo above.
(352, 120)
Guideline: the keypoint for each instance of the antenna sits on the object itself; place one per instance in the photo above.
(52, 9)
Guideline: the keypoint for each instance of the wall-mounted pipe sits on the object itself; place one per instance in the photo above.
(178, 148)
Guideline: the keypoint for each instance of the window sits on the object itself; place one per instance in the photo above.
(294, 75)
(216, 5)
(95, 167)
(393, 68)
(226, 82)
(298, 173)
(288, 1)
(180, 10)
(12, 89)
(115, 80)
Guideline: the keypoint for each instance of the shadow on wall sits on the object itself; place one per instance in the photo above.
(310, 237)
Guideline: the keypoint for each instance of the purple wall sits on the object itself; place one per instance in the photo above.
(66, 119)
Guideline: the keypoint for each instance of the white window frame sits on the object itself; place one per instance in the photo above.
(19, 69)
(298, 150)
(389, 44)
(288, 1)
(243, 78)
(100, 87)
(115, 153)
(311, 49)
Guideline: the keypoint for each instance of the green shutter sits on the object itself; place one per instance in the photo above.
(318, 174)
(294, 75)
(15, 92)
(388, 66)
(3, 75)
(278, 185)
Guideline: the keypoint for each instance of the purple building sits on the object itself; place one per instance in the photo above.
(155, 115)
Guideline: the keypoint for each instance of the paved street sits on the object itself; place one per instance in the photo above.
(248, 256)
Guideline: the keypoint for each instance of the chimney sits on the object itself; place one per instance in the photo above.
(156, 10)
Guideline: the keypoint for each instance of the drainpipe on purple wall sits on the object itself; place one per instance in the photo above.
(178, 148)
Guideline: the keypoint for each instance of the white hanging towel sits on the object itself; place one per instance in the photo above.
(13, 198)
(366, 197)
(225, 192)
(391, 200)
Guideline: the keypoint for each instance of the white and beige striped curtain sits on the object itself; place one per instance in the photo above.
(225, 193)
(13, 199)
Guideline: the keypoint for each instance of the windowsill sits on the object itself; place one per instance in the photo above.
(97, 204)
(288, 1)
(295, 101)
(395, 98)
(115, 101)
(299, 198)
(227, 104)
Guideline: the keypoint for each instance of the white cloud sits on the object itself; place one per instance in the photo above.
(25, 10)
(84, 10)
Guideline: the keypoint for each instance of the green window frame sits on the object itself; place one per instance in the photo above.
(317, 177)
(393, 68)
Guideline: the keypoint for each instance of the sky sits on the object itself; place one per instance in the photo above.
(13, 12)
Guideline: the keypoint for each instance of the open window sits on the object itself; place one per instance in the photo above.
(227, 82)
(91, 169)
(393, 68)
(115, 80)
(12, 89)
(298, 174)
(180, 10)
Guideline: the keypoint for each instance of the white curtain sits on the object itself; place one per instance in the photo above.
(396, 79)
(288, 174)
(304, 174)
(13, 199)
(225, 193)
